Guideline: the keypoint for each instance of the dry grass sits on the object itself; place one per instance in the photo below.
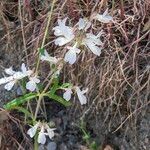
(118, 80)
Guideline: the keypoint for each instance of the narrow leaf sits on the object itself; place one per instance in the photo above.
(23, 110)
(20, 100)
(66, 85)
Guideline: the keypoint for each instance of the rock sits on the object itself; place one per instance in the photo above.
(19, 91)
(51, 146)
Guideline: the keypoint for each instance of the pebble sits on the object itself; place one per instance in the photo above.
(51, 146)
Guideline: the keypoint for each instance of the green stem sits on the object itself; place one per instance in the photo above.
(35, 142)
(45, 34)
(43, 42)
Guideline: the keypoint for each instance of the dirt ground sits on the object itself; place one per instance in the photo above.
(117, 115)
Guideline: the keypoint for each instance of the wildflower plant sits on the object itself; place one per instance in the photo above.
(70, 39)
(44, 130)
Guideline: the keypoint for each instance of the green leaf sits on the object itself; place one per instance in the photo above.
(20, 100)
(58, 99)
(23, 110)
(54, 87)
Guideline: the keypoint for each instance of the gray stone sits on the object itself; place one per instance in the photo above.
(51, 146)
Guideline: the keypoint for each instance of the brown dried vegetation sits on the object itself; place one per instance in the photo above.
(118, 80)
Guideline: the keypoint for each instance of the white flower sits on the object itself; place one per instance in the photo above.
(6, 80)
(42, 133)
(71, 55)
(65, 33)
(50, 131)
(42, 136)
(31, 85)
(47, 57)
(105, 18)
(92, 42)
(11, 80)
(83, 24)
(32, 131)
(67, 94)
(81, 96)
(14, 76)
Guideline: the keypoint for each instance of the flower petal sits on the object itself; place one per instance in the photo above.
(31, 86)
(83, 24)
(9, 71)
(9, 85)
(94, 39)
(25, 72)
(95, 49)
(35, 79)
(67, 94)
(51, 132)
(6, 79)
(23, 68)
(64, 32)
(82, 98)
(57, 31)
(70, 57)
(19, 75)
(61, 41)
(103, 18)
(41, 136)
(32, 131)
(105, 12)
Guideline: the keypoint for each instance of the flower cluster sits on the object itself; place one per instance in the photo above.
(15, 76)
(69, 35)
(43, 130)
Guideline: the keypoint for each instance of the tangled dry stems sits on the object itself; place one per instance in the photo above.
(118, 80)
